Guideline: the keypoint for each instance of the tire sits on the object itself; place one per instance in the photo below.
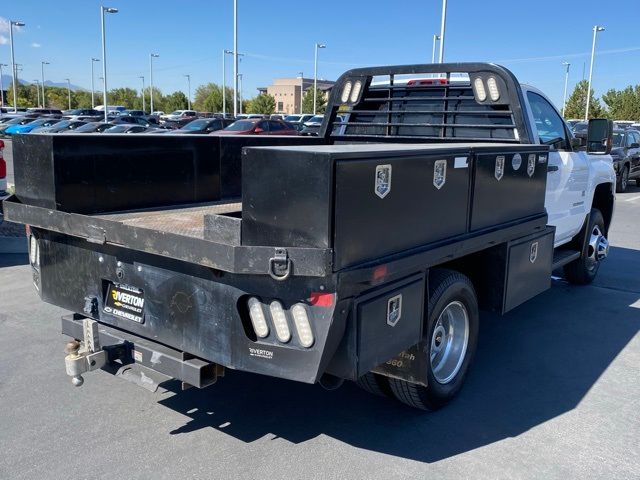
(446, 288)
(375, 384)
(584, 270)
(623, 183)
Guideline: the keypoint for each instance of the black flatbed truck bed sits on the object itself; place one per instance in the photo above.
(341, 235)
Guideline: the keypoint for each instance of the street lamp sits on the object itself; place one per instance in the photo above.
(301, 75)
(596, 29)
(44, 99)
(1, 86)
(436, 37)
(104, 10)
(37, 82)
(240, 91)
(141, 77)
(151, 57)
(566, 82)
(443, 27)
(69, 91)
(93, 99)
(224, 78)
(13, 23)
(188, 90)
(235, 58)
(315, 74)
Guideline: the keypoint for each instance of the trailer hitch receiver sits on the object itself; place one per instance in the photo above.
(85, 357)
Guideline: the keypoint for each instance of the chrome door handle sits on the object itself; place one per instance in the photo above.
(552, 168)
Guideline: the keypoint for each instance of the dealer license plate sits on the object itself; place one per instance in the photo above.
(125, 301)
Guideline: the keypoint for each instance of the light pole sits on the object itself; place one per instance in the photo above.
(93, 99)
(224, 78)
(37, 82)
(1, 86)
(596, 29)
(436, 37)
(188, 90)
(566, 83)
(104, 10)
(141, 77)
(44, 99)
(69, 91)
(151, 57)
(315, 74)
(13, 23)
(240, 92)
(235, 58)
(443, 27)
(301, 74)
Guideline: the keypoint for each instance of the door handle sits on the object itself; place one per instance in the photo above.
(552, 168)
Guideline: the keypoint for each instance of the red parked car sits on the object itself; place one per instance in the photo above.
(258, 126)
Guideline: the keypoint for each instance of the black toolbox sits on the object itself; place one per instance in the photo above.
(371, 200)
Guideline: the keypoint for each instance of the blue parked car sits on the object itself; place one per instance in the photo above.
(27, 127)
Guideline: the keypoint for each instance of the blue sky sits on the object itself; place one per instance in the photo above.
(277, 37)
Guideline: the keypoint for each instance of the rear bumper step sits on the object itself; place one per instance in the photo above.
(130, 349)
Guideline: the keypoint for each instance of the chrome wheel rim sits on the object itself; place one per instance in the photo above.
(598, 248)
(449, 342)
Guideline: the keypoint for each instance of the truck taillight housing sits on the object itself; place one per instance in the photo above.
(3, 163)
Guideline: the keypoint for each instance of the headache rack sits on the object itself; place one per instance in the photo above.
(426, 103)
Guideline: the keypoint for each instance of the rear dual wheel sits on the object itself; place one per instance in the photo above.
(450, 343)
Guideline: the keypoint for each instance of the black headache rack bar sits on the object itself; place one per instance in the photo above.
(427, 103)
(221, 251)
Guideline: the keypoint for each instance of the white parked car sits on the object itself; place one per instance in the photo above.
(179, 115)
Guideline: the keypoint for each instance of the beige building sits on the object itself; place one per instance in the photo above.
(288, 92)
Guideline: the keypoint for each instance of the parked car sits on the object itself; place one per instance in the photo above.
(180, 115)
(298, 120)
(312, 126)
(131, 119)
(81, 114)
(45, 111)
(127, 128)
(202, 126)
(28, 127)
(626, 157)
(60, 126)
(580, 130)
(176, 124)
(91, 127)
(15, 121)
(134, 113)
(258, 126)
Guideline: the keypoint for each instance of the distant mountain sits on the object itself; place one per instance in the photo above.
(6, 81)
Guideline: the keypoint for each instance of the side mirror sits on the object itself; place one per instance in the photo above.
(599, 136)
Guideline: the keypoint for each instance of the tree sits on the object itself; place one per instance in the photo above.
(307, 101)
(176, 101)
(263, 103)
(577, 103)
(122, 96)
(208, 98)
(623, 104)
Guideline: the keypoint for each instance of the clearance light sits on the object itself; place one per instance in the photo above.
(301, 320)
(478, 86)
(33, 250)
(280, 321)
(258, 320)
(346, 91)
(492, 85)
(355, 93)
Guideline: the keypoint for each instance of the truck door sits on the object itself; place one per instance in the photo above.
(568, 171)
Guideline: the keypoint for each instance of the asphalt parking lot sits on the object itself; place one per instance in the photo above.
(554, 394)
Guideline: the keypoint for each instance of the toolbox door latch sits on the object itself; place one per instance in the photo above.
(280, 265)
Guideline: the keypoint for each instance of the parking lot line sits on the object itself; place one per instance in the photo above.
(632, 199)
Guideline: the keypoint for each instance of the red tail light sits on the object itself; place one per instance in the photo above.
(3, 163)
(427, 81)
